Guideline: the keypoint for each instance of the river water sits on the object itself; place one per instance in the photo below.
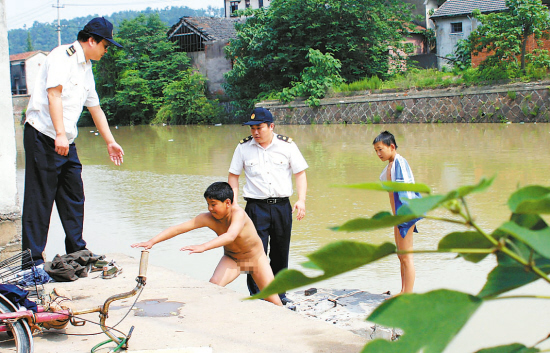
(167, 168)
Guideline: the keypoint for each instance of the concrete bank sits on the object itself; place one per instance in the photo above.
(176, 312)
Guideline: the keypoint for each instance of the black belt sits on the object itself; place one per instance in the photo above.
(270, 200)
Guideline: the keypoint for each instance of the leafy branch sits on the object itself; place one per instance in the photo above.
(521, 246)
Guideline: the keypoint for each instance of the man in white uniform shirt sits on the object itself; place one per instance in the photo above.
(269, 160)
(52, 168)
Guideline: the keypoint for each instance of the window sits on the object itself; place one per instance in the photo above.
(456, 27)
(247, 3)
(234, 7)
(261, 4)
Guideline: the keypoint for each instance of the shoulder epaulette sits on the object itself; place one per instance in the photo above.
(246, 139)
(71, 50)
(284, 138)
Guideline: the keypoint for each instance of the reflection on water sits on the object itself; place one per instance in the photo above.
(167, 169)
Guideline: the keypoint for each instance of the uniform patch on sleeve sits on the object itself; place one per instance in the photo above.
(71, 50)
(284, 138)
(246, 139)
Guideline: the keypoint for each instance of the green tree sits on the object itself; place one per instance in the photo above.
(462, 55)
(132, 81)
(315, 80)
(29, 43)
(505, 34)
(186, 102)
(521, 246)
(271, 48)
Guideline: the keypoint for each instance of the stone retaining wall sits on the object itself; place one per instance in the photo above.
(523, 102)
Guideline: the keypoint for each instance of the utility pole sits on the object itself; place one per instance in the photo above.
(58, 23)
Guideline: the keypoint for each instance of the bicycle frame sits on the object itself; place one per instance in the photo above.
(33, 319)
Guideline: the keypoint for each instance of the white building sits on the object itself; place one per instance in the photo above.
(230, 6)
(454, 21)
(24, 69)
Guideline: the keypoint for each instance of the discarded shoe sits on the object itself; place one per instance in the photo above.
(98, 265)
(111, 270)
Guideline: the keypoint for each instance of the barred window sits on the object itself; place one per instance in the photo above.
(456, 27)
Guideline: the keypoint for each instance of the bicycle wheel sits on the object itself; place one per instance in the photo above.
(19, 338)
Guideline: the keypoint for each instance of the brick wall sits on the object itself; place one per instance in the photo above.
(531, 44)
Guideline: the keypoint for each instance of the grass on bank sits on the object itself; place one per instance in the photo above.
(433, 78)
(429, 78)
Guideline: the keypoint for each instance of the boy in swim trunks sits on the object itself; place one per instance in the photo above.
(243, 248)
(398, 170)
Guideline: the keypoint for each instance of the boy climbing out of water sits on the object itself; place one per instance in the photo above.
(398, 170)
(243, 248)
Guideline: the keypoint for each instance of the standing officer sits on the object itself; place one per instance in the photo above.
(269, 160)
(52, 169)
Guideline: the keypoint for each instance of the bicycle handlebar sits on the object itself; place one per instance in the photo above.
(143, 264)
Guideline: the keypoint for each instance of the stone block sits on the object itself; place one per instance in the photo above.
(9, 231)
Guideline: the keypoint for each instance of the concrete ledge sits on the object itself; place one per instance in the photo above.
(200, 315)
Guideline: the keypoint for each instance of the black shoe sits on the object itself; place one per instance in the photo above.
(285, 300)
(98, 256)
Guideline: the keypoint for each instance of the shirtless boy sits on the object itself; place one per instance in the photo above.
(243, 248)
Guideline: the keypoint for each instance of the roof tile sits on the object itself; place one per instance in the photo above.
(453, 8)
(25, 56)
(212, 28)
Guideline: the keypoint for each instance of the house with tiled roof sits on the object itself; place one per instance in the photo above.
(24, 69)
(204, 40)
(454, 21)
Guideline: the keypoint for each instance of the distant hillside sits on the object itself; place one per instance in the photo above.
(44, 36)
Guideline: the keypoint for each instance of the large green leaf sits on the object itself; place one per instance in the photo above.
(334, 259)
(419, 207)
(390, 186)
(430, 320)
(530, 199)
(466, 240)
(510, 274)
(379, 220)
(468, 189)
(531, 221)
(539, 240)
(512, 348)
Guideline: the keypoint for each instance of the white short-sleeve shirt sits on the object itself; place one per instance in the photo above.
(268, 171)
(75, 74)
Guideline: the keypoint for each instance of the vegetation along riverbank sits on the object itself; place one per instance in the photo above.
(278, 53)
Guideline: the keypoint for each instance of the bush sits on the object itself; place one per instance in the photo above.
(315, 80)
(187, 103)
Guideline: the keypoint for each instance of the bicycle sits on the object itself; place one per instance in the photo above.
(20, 325)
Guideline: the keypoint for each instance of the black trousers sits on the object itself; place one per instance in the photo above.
(273, 223)
(51, 177)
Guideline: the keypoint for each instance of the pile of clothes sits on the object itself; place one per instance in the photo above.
(70, 267)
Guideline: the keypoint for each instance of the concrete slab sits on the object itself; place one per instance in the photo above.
(344, 308)
(179, 312)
